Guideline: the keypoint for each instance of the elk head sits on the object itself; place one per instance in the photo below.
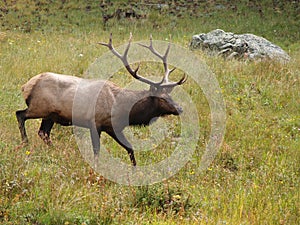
(157, 102)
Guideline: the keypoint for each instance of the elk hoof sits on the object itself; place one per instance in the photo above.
(45, 137)
(22, 145)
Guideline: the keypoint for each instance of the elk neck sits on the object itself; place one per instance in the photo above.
(144, 109)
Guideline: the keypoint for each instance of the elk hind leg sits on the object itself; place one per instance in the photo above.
(45, 129)
(21, 117)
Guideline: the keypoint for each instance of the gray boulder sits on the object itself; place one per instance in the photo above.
(242, 46)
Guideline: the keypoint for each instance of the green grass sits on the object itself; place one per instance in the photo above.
(253, 180)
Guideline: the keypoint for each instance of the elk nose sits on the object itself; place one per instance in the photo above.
(179, 110)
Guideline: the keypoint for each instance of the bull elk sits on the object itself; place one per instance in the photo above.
(50, 96)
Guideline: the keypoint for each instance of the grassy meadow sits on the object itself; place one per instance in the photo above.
(253, 180)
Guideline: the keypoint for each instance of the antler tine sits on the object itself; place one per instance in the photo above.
(125, 61)
(111, 48)
(127, 48)
(164, 57)
(166, 76)
(173, 84)
(153, 50)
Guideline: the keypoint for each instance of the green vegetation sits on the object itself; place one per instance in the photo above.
(253, 180)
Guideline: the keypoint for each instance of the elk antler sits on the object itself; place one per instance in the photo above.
(165, 81)
(162, 84)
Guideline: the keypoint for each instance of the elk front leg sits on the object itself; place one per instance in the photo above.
(95, 136)
(121, 139)
(45, 129)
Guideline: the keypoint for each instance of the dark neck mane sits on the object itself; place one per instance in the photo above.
(143, 112)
